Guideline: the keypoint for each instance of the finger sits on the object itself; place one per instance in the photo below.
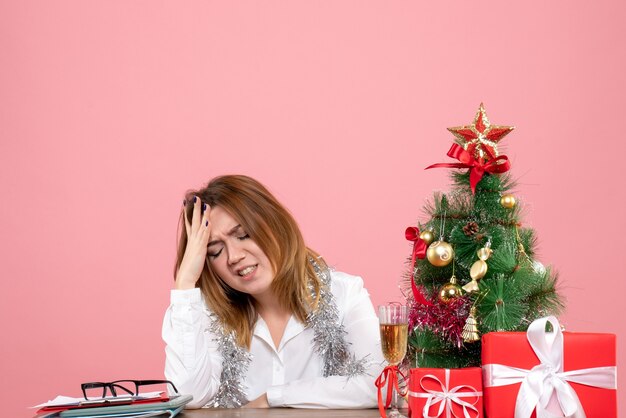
(206, 224)
(187, 225)
(195, 221)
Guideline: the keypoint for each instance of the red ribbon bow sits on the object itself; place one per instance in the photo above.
(419, 245)
(477, 168)
(419, 251)
(389, 377)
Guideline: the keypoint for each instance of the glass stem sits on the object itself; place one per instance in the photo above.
(394, 400)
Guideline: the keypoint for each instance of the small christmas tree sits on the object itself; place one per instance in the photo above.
(473, 266)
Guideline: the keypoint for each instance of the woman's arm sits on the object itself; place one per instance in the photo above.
(361, 324)
(192, 360)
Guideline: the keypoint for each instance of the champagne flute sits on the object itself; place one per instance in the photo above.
(394, 323)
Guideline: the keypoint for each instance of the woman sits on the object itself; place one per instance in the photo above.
(256, 318)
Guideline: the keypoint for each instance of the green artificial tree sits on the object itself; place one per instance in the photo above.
(473, 265)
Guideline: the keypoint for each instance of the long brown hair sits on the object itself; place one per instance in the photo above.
(276, 233)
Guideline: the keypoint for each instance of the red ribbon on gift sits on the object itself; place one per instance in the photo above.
(419, 251)
(389, 377)
(478, 167)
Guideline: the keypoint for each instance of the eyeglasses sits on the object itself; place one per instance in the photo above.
(98, 390)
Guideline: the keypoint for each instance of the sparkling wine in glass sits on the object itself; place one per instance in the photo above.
(394, 323)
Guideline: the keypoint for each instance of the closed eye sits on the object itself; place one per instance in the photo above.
(215, 254)
(241, 238)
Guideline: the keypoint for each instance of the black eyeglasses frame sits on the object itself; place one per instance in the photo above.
(111, 386)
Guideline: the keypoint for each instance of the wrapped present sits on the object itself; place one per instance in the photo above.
(445, 393)
(549, 374)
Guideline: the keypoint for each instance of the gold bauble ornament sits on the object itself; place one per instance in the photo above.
(450, 291)
(440, 253)
(508, 201)
(427, 237)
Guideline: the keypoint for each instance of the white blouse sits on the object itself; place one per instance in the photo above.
(290, 374)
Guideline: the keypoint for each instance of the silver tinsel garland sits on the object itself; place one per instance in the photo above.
(235, 361)
(329, 342)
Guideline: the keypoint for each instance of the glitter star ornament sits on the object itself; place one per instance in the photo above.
(481, 137)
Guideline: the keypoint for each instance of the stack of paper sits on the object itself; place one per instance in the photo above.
(67, 401)
(144, 405)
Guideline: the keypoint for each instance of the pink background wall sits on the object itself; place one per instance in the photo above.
(110, 110)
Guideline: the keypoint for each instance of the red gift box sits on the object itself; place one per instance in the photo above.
(548, 365)
(445, 393)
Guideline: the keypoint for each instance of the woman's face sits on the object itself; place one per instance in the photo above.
(235, 257)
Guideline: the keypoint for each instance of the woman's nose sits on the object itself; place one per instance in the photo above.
(235, 255)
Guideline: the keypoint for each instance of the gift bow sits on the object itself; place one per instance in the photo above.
(446, 397)
(388, 377)
(477, 167)
(548, 377)
(419, 245)
(419, 251)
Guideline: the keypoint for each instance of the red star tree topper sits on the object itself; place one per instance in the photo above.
(481, 137)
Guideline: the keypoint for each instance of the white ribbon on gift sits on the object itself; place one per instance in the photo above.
(548, 377)
(446, 396)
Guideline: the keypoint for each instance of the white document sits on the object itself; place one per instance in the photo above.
(67, 400)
